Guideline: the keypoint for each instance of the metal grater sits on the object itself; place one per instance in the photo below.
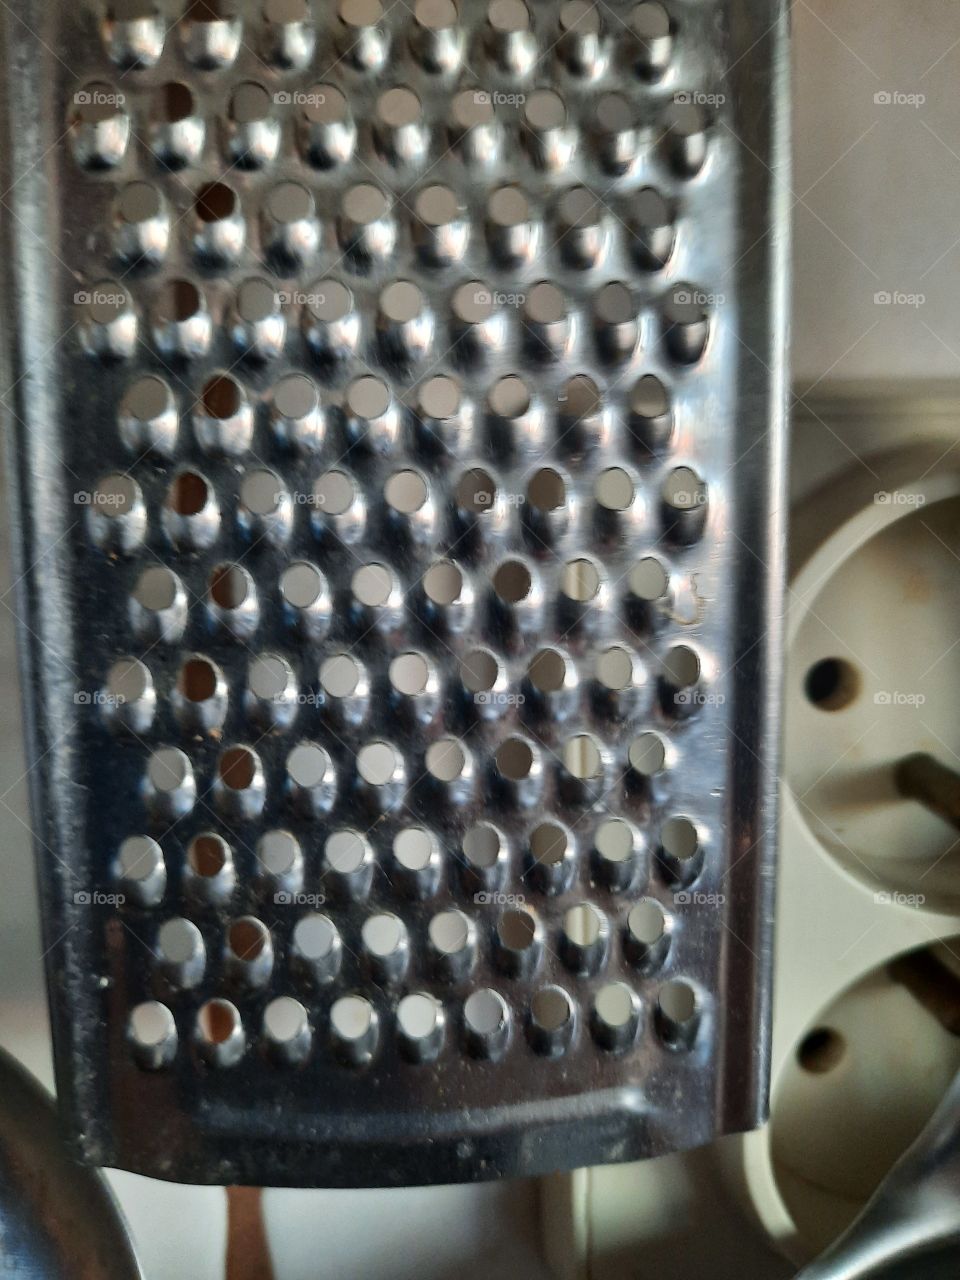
(396, 404)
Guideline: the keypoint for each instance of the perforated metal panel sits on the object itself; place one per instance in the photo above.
(397, 452)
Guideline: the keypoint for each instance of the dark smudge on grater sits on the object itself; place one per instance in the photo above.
(396, 407)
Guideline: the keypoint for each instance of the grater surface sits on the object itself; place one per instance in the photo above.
(397, 458)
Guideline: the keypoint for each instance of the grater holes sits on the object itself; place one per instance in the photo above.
(486, 1023)
(152, 1034)
(208, 856)
(197, 680)
(677, 1014)
(178, 301)
(222, 397)
(583, 939)
(218, 1034)
(616, 1016)
(580, 580)
(513, 581)
(141, 871)
(209, 874)
(316, 949)
(519, 942)
(172, 103)
(170, 787)
(551, 1021)
(546, 490)
(215, 202)
(231, 586)
(286, 1030)
(420, 1026)
(385, 946)
(476, 491)
(189, 494)
(237, 768)
(681, 852)
(354, 1029)
(181, 953)
(248, 953)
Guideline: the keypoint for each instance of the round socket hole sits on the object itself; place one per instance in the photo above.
(821, 1050)
(832, 684)
(238, 768)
